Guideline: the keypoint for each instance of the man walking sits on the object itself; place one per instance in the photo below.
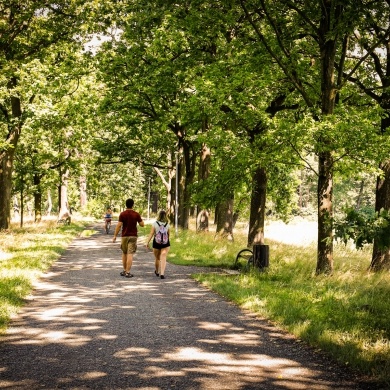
(128, 220)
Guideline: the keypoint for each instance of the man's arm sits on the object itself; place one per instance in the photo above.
(117, 230)
(142, 223)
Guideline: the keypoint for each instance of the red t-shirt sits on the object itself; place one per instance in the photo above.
(129, 219)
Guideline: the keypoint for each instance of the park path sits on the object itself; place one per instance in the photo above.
(86, 327)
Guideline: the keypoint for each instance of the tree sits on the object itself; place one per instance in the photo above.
(155, 102)
(371, 41)
(28, 33)
(306, 40)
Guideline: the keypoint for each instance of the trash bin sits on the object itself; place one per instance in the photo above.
(261, 255)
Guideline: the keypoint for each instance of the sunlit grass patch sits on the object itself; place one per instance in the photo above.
(14, 287)
(203, 249)
(88, 233)
(25, 254)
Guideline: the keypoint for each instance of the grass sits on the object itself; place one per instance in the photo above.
(346, 314)
(24, 255)
(202, 250)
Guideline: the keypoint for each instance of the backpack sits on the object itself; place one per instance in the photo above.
(161, 236)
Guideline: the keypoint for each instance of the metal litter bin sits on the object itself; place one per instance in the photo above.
(261, 255)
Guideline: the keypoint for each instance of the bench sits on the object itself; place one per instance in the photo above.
(245, 258)
(64, 221)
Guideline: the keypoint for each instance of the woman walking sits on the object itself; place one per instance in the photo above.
(160, 234)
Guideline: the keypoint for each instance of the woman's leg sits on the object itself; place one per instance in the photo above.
(157, 254)
(163, 260)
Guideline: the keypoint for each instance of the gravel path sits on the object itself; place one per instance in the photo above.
(86, 327)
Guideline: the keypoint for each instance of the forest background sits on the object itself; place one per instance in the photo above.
(249, 110)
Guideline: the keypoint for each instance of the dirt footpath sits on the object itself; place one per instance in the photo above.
(86, 327)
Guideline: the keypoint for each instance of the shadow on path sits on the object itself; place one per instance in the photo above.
(86, 327)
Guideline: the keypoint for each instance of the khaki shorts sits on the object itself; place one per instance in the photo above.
(129, 244)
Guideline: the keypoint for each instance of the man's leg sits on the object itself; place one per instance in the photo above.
(128, 262)
(124, 261)
(127, 257)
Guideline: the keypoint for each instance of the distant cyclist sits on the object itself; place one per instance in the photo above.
(107, 220)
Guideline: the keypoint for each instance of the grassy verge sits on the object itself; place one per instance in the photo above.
(24, 255)
(346, 314)
(202, 250)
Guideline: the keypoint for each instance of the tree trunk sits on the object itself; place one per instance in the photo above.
(15, 206)
(64, 205)
(185, 210)
(22, 202)
(225, 219)
(168, 182)
(37, 198)
(180, 194)
(360, 196)
(7, 157)
(236, 215)
(216, 214)
(83, 192)
(172, 209)
(325, 214)
(204, 163)
(187, 173)
(49, 203)
(204, 172)
(381, 257)
(6, 187)
(257, 211)
(202, 221)
(325, 158)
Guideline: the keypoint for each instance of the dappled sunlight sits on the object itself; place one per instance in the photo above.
(241, 339)
(192, 296)
(130, 353)
(191, 293)
(193, 354)
(58, 312)
(65, 337)
(92, 375)
(107, 336)
(88, 327)
(44, 337)
(256, 367)
(218, 326)
(247, 362)
(156, 372)
(25, 384)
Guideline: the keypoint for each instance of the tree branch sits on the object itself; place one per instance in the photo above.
(369, 52)
(307, 164)
(293, 78)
